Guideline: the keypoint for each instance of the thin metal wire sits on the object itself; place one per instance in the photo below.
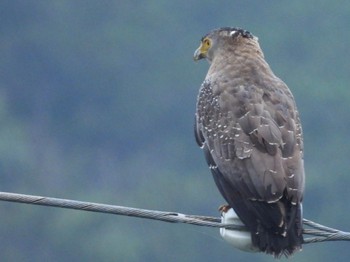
(318, 232)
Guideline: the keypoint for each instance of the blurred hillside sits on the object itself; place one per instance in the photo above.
(97, 102)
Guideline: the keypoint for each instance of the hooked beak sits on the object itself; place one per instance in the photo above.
(198, 54)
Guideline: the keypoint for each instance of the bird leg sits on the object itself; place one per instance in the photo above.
(224, 208)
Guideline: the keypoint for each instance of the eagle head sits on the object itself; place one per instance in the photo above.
(220, 39)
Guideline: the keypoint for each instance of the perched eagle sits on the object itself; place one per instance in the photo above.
(249, 128)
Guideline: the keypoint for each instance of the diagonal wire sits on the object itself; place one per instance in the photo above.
(173, 217)
(318, 232)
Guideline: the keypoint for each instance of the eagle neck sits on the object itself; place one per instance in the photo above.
(240, 64)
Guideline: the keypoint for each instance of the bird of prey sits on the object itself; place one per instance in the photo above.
(249, 128)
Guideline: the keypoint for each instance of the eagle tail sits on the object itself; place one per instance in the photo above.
(281, 244)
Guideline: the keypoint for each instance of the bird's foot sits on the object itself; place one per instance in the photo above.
(224, 208)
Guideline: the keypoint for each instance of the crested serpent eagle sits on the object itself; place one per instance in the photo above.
(249, 128)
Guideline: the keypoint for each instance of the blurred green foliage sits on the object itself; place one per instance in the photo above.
(97, 102)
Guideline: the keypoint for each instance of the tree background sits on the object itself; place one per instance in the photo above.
(97, 102)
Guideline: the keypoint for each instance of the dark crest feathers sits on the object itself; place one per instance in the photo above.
(232, 31)
(238, 31)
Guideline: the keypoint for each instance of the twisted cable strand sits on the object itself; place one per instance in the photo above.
(319, 233)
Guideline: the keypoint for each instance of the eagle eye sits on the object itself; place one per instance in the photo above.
(206, 43)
